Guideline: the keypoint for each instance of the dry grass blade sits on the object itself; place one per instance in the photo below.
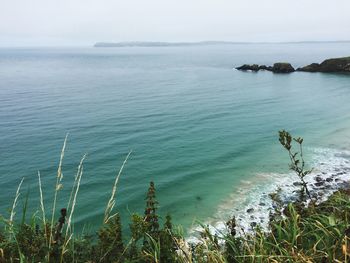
(77, 186)
(183, 250)
(111, 201)
(75, 182)
(57, 187)
(42, 203)
(59, 169)
(12, 215)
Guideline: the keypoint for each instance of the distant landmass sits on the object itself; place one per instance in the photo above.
(201, 43)
(162, 44)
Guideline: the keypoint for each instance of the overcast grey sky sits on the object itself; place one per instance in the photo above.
(84, 22)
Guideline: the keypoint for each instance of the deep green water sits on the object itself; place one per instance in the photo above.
(197, 127)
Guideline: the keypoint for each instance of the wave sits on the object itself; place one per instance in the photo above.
(251, 204)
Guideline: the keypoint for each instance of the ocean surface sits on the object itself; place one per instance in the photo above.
(205, 133)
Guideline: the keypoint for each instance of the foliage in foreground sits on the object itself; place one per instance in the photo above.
(316, 233)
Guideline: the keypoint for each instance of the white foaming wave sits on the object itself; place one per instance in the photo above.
(251, 204)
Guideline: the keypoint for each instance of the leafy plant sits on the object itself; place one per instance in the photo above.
(151, 216)
(110, 243)
(297, 160)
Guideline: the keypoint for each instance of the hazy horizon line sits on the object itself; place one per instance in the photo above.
(203, 42)
(174, 43)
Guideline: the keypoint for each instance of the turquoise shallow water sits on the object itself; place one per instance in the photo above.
(197, 127)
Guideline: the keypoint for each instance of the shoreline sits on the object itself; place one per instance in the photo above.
(251, 204)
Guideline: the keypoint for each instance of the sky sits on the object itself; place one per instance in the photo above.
(84, 22)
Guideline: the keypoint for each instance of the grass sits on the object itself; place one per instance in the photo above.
(111, 201)
(319, 232)
(58, 187)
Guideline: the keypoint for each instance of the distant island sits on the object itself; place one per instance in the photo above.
(200, 43)
(163, 44)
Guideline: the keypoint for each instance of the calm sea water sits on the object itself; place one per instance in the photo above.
(198, 128)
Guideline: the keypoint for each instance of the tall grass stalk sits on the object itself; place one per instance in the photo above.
(74, 192)
(75, 188)
(13, 212)
(42, 206)
(58, 186)
(11, 224)
(111, 202)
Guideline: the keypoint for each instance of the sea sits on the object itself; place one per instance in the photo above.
(203, 132)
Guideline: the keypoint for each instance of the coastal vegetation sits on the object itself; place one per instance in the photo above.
(305, 230)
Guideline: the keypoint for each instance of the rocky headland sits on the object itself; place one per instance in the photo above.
(341, 65)
(329, 65)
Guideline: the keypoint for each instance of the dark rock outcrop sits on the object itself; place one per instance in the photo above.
(263, 67)
(329, 65)
(318, 179)
(282, 68)
(318, 184)
(314, 67)
(277, 67)
(250, 210)
(245, 67)
(341, 65)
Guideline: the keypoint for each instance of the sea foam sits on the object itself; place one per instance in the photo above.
(251, 204)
